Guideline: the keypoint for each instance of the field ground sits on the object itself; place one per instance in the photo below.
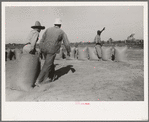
(87, 81)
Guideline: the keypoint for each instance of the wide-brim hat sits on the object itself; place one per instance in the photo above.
(38, 25)
(58, 21)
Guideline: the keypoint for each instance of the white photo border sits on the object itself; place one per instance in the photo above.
(49, 111)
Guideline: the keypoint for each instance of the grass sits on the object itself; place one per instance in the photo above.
(87, 81)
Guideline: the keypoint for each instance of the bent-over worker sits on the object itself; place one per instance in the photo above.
(32, 38)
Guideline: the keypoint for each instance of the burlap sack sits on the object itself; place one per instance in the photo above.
(27, 72)
(120, 53)
(12, 54)
(106, 53)
(92, 53)
(72, 54)
(9, 54)
(18, 54)
(6, 55)
(82, 53)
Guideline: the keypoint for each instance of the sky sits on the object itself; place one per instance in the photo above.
(80, 23)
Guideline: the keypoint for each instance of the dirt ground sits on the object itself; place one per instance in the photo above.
(87, 81)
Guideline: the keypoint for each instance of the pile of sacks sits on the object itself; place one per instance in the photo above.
(13, 54)
(16, 54)
(29, 66)
(95, 53)
(80, 53)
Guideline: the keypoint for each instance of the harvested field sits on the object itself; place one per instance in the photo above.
(87, 81)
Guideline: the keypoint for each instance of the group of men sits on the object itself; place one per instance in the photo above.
(49, 45)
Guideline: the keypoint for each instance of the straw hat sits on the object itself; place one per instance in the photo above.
(38, 25)
(58, 21)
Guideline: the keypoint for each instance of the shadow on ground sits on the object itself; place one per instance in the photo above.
(64, 70)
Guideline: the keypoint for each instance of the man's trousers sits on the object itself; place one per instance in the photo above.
(48, 68)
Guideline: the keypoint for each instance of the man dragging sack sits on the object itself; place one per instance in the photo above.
(50, 45)
(32, 38)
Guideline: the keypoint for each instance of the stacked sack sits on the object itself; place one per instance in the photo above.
(9, 54)
(82, 53)
(12, 54)
(72, 54)
(18, 54)
(105, 53)
(120, 53)
(94, 53)
(87, 53)
(63, 54)
(114, 53)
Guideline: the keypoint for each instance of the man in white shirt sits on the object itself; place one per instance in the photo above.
(97, 39)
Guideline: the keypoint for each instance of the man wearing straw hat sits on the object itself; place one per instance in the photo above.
(32, 38)
(50, 45)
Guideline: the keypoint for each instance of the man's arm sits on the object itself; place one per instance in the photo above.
(103, 29)
(42, 40)
(43, 37)
(34, 39)
(66, 43)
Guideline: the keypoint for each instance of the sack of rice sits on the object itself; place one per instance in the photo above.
(106, 53)
(76, 53)
(59, 55)
(8, 54)
(82, 53)
(12, 54)
(17, 54)
(5, 55)
(27, 49)
(98, 49)
(27, 72)
(92, 53)
(72, 54)
(120, 53)
(21, 50)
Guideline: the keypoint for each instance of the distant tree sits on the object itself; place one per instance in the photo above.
(102, 42)
(110, 40)
(125, 41)
(76, 44)
(131, 38)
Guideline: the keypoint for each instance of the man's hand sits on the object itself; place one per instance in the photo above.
(32, 51)
(103, 28)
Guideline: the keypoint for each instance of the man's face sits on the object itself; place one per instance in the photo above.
(99, 32)
(39, 30)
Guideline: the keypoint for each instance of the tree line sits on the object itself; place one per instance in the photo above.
(76, 44)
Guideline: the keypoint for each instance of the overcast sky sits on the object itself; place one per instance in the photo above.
(79, 22)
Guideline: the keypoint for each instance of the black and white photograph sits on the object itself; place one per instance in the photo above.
(85, 54)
